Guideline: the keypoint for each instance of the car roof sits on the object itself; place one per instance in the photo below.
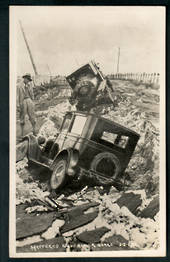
(108, 122)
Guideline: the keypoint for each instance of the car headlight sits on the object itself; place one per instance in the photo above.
(41, 140)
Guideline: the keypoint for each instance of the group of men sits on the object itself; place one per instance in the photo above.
(25, 103)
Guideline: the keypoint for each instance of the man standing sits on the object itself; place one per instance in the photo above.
(25, 104)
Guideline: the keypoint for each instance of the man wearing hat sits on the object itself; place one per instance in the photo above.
(25, 104)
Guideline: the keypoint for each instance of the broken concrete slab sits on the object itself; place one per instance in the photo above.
(77, 221)
(131, 201)
(151, 210)
(81, 208)
(51, 245)
(20, 212)
(75, 216)
(21, 209)
(30, 225)
(92, 236)
(77, 210)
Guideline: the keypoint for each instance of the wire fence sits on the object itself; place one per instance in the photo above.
(153, 78)
(138, 78)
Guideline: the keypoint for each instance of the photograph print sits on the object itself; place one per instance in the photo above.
(87, 131)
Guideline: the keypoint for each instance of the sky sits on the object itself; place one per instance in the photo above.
(63, 38)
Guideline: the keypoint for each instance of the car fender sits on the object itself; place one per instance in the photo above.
(73, 158)
(34, 151)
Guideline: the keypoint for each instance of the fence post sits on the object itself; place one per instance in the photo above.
(157, 79)
(138, 77)
(154, 78)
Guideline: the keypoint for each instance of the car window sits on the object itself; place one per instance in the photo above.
(116, 139)
(78, 124)
(67, 122)
(110, 137)
(123, 141)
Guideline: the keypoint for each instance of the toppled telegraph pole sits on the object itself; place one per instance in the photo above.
(28, 48)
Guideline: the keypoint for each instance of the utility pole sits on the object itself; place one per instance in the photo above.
(113, 64)
(29, 51)
(118, 58)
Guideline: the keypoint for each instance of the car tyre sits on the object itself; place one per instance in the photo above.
(59, 174)
(115, 162)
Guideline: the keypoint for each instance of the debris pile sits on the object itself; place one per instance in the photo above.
(97, 218)
(92, 220)
(143, 169)
(27, 189)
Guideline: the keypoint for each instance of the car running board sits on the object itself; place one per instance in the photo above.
(38, 163)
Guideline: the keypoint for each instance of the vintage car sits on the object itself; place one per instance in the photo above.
(86, 145)
(87, 82)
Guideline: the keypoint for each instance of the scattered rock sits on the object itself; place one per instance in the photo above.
(152, 209)
(30, 225)
(75, 211)
(20, 212)
(92, 236)
(77, 221)
(131, 201)
(75, 217)
(38, 208)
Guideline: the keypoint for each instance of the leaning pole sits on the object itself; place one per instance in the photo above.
(28, 48)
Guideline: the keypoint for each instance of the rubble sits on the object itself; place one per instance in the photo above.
(76, 217)
(75, 222)
(131, 218)
(32, 225)
(152, 209)
(92, 236)
(36, 209)
(131, 201)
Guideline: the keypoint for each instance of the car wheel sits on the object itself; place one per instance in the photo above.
(59, 174)
(107, 164)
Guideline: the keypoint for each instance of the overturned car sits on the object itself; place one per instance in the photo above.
(89, 87)
(86, 145)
